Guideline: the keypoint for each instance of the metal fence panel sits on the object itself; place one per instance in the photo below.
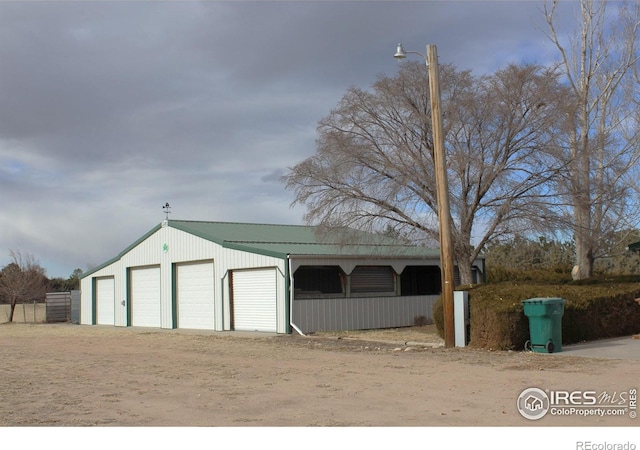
(58, 306)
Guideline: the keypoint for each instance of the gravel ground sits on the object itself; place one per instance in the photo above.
(75, 375)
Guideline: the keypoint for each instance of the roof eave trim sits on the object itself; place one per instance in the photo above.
(258, 251)
(356, 256)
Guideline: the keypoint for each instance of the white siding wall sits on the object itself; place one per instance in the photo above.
(182, 247)
(86, 294)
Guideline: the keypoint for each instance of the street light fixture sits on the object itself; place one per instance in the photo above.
(442, 188)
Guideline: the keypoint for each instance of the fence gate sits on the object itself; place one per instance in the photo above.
(58, 306)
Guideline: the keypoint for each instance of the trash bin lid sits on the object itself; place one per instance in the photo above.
(544, 300)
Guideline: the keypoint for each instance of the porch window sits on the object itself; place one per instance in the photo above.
(420, 280)
(310, 281)
(373, 280)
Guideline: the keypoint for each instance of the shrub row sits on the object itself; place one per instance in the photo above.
(597, 309)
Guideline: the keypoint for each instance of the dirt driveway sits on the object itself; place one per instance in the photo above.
(72, 375)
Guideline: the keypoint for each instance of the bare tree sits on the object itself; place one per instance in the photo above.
(602, 125)
(22, 280)
(374, 169)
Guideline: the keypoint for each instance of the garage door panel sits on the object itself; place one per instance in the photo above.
(195, 296)
(255, 300)
(145, 297)
(105, 301)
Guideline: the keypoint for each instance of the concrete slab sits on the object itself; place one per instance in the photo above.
(627, 347)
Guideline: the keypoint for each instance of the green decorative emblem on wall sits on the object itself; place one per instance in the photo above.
(165, 247)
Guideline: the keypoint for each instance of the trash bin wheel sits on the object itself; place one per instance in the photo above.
(527, 346)
(550, 347)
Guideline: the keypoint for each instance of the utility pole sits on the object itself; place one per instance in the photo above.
(442, 187)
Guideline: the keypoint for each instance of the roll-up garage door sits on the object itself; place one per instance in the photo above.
(254, 300)
(145, 296)
(105, 301)
(194, 292)
(370, 279)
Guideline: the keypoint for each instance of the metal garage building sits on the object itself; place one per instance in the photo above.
(257, 277)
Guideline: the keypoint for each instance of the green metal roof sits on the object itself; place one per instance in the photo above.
(280, 241)
(283, 240)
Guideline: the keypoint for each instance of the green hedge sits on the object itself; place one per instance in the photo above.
(596, 309)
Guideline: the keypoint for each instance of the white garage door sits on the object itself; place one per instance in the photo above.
(254, 300)
(105, 300)
(195, 296)
(145, 297)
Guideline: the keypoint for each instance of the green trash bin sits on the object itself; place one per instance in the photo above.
(545, 324)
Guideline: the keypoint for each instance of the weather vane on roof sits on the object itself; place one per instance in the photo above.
(166, 209)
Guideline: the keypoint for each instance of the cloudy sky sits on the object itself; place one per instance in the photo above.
(110, 109)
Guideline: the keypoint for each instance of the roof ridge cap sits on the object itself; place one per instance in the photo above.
(244, 223)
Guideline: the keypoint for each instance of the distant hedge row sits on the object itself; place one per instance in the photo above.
(596, 309)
